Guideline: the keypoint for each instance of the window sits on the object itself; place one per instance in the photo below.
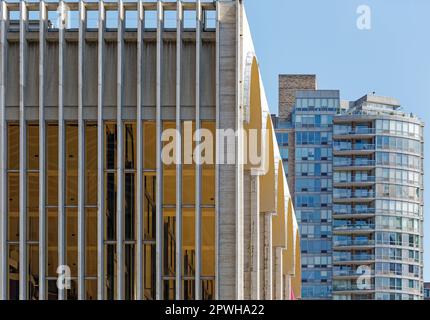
(111, 19)
(131, 20)
(284, 154)
(190, 19)
(53, 20)
(150, 19)
(170, 19)
(72, 19)
(210, 20)
(282, 138)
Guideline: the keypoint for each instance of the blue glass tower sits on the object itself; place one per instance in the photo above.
(313, 120)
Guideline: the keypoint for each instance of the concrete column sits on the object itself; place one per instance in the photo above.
(178, 153)
(81, 156)
(217, 167)
(268, 257)
(198, 211)
(255, 237)
(100, 166)
(228, 261)
(3, 156)
(120, 158)
(159, 166)
(278, 279)
(42, 156)
(262, 253)
(287, 287)
(247, 236)
(61, 150)
(23, 265)
(239, 153)
(139, 156)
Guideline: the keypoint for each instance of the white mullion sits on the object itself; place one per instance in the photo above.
(120, 158)
(3, 157)
(23, 266)
(61, 150)
(139, 167)
(42, 155)
(81, 156)
(100, 163)
(178, 153)
(198, 210)
(159, 166)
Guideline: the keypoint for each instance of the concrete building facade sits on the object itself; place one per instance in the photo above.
(88, 209)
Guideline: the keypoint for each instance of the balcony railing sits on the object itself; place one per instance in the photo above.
(357, 131)
(354, 195)
(349, 273)
(353, 211)
(364, 147)
(348, 243)
(356, 163)
(356, 147)
(354, 227)
(354, 257)
(355, 179)
(353, 287)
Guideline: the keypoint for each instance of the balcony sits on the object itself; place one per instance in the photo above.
(354, 131)
(354, 243)
(349, 273)
(357, 133)
(356, 149)
(354, 258)
(354, 228)
(349, 164)
(353, 287)
(368, 212)
(346, 197)
(360, 146)
(355, 181)
(363, 147)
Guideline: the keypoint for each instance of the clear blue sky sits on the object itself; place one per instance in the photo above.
(321, 37)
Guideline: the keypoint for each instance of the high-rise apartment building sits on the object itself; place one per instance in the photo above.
(356, 173)
(377, 202)
(91, 205)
